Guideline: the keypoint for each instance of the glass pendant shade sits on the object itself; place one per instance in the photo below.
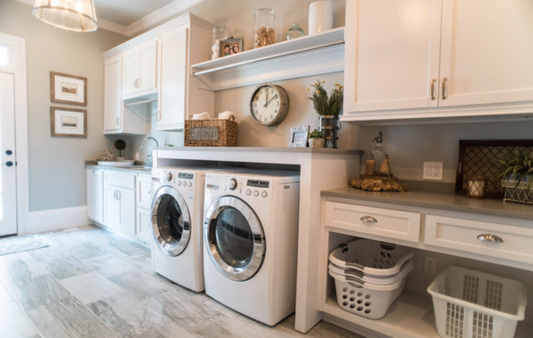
(72, 15)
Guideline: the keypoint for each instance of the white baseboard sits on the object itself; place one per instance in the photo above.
(55, 219)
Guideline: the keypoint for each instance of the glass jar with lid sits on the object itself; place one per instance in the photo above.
(294, 32)
(265, 27)
(219, 33)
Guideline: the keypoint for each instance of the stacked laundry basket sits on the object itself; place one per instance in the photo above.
(369, 275)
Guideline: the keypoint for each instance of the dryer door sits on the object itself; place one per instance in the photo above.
(234, 238)
(171, 221)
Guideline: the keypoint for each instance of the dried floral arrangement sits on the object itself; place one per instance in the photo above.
(324, 104)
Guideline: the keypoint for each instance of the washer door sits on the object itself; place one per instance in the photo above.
(234, 238)
(171, 221)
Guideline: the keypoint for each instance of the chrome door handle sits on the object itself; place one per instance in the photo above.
(444, 88)
(369, 219)
(158, 116)
(118, 121)
(139, 79)
(115, 195)
(490, 238)
(118, 195)
(432, 89)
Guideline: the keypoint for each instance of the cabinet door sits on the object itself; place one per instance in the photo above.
(144, 225)
(144, 191)
(173, 66)
(111, 208)
(126, 199)
(392, 54)
(95, 195)
(131, 71)
(487, 50)
(148, 65)
(113, 94)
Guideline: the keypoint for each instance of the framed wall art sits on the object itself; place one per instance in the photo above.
(298, 137)
(231, 46)
(68, 122)
(69, 89)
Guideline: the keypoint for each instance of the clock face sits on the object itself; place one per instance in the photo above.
(269, 105)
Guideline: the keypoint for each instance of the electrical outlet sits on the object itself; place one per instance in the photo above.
(433, 171)
(430, 265)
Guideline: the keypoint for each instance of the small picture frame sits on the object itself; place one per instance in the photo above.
(68, 122)
(68, 89)
(231, 46)
(298, 137)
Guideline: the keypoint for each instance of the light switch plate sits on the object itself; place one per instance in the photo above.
(433, 171)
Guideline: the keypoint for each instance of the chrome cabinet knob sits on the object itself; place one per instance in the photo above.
(369, 219)
(490, 238)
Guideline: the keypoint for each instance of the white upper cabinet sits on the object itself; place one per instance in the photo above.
(140, 67)
(437, 58)
(173, 51)
(392, 54)
(113, 95)
(487, 52)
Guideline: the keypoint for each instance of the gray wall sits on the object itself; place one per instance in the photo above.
(56, 172)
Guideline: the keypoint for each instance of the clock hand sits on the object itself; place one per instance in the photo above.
(266, 98)
(270, 100)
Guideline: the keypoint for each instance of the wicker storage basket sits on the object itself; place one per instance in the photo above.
(211, 133)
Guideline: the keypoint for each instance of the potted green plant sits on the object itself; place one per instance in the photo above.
(316, 139)
(517, 175)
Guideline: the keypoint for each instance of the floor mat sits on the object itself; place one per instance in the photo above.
(16, 244)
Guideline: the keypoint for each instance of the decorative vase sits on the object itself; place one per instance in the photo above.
(320, 16)
(329, 124)
(316, 143)
(294, 32)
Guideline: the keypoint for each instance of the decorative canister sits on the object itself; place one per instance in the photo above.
(265, 27)
(219, 33)
(294, 32)
(329, 124)
(320, 16)
(476, 187)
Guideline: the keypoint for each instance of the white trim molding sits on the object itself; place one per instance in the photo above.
(166, 12)
(56, 219)
(21, 127)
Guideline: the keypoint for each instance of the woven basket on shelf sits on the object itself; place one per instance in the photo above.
(518, 192)
(211, 133)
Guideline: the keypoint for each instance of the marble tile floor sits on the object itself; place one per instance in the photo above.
(91, 283)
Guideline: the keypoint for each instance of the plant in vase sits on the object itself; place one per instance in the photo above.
(316, 139)
(328, 107)
(517, 175)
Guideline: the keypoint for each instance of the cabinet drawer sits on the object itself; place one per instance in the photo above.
(144, 191)
(376, 221)
(120, 179)
(461, 234)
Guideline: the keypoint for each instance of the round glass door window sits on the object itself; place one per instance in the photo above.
(236, 242)
(171, 221)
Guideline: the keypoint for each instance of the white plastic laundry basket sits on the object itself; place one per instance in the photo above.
(372, 258)
(473, 304)
(361, 277)
(365, 299)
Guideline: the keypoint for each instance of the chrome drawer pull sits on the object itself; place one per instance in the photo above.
(369, 219)
(490, 238)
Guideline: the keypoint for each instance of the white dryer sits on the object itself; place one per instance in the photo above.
(177, 225)
(250, 242)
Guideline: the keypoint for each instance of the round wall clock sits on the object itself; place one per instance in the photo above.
(269, 104)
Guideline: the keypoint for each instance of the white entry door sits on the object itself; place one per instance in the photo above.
(8, 177)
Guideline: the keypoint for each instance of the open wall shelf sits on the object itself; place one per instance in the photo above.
(306, 56)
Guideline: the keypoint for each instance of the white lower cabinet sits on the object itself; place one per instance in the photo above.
(499, 246)
(95, 195)
(144, 213)
(144, 225)
(120, 209)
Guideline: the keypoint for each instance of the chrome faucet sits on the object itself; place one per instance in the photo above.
(149, 158)
(149, 138)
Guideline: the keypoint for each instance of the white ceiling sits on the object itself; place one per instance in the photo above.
(128, 17)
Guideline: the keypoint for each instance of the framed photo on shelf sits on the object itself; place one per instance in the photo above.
(68, 89)
(231, 46)
(298, 137)
(68, 122)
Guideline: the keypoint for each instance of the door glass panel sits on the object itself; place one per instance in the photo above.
(170, 219)
(234, 238)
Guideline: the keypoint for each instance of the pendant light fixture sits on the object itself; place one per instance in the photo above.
(72, 15)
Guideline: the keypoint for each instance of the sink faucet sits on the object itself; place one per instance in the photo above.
(149, 159)
(149, 138)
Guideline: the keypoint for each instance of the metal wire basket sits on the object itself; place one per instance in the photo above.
(518, 192)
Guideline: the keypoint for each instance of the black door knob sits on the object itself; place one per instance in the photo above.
(9, 163)
(9, 152)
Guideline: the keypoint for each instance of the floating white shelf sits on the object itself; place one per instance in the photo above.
(306, 56)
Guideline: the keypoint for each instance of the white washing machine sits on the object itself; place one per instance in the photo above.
(177, 225)
(250, 242)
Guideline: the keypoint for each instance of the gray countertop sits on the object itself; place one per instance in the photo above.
(268, 149)
(138, 168)
(442, 201)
